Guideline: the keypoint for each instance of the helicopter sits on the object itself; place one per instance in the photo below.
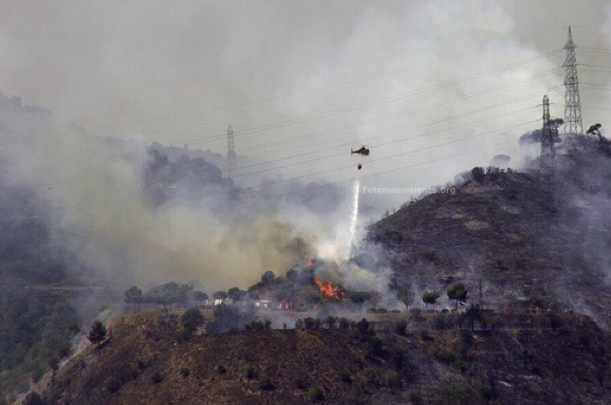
(362, 151)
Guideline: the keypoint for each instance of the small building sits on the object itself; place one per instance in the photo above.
(286, 305)
(263, 304)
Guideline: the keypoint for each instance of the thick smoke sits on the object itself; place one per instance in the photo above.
(408, 79)
(432, 95)
(101, 212)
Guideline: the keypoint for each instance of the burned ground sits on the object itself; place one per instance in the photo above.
(531, 235)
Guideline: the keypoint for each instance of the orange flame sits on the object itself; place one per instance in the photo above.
(328, 289)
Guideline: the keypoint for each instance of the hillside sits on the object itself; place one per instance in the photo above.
(531, 236)
(537, 240)
(146, 363)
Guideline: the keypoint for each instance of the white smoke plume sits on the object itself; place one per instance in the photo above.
(301, 82)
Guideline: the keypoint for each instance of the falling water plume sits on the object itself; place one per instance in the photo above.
(353, 216)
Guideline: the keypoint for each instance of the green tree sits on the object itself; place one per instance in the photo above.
(473, 313)
(236, 294)
(192, 319)
(134, 296)
(200, 297)
(219, 295)
(458, 293)
(375, 298)
(331, 321)
(429, 297)
(358, 297)
(97, 333)
(406, 296)
(267, 277)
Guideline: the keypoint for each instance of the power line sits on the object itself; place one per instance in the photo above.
(400, 96)
(372, 146)
(445, 102)
(381, 159)
(393, 129)
(271, 183)
(365, 78)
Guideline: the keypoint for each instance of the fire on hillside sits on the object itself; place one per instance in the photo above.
(330, 290)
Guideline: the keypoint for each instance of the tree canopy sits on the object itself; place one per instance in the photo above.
(267, 277)
(430, 297)
(458, 293)
(134, 296)
(406, 296)
(97, 333)
(192, 319)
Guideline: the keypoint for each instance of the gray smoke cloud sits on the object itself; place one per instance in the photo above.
(99, 210)
(432, 87)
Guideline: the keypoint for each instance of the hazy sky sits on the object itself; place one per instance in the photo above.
(303, 81)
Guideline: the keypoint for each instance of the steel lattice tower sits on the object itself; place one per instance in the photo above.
(573, 123)
(231, 163)
(548, 152)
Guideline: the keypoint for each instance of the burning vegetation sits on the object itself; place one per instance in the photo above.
(330, 290)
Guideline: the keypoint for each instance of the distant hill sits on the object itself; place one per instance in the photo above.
(530, 235)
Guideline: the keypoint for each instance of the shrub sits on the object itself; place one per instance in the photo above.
(266, 384)
(311, 323)
(97, 333)
(392, 379)
(301, 381)
(441, 322)
(192, 319)
(156, 378)
(345, 377)
(316, 395)
(424, 335)
(444, 356)
(221, 369)
(357, 395)
(314, 299)
(401, 326)
(267, 277)
(255, 325)
(37, 374)
(416, 397)
(185, 371)
(555, 321)
(359, 297)
(184, 335)
(372, 377)
(375, 347)
(398, 358)
(344, 323)
(517, 335)
(331, 321)
(365, 328)
(251, 372)
(33, 398)
(415, 312)
(112, 384)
